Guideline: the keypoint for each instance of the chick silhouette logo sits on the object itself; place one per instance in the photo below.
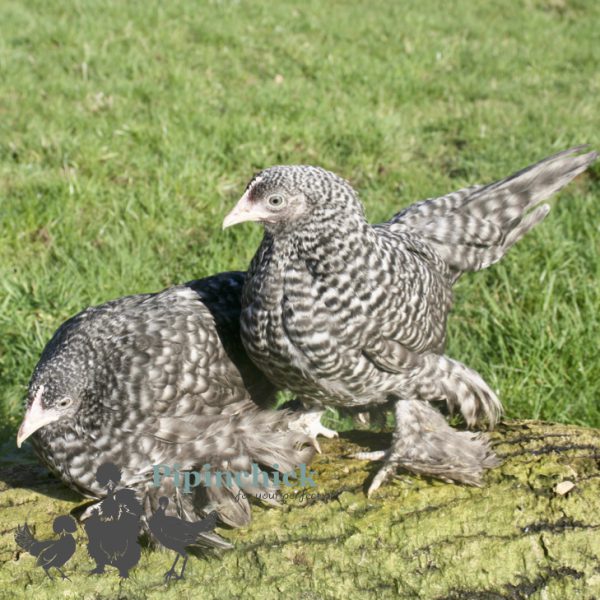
(50, 553)
(176, 534)
(113, 528)
(114, 525)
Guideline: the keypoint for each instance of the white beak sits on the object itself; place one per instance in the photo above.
(243, 211)
(35, 418)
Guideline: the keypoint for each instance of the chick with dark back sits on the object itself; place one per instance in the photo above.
(158, 379)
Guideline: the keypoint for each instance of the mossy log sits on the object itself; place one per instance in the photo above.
(533, 531)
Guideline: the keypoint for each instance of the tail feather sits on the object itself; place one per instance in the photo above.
(24, 538)
(462, 388)
(473, 228)
(541, 179)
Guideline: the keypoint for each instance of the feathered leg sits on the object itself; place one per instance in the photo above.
(424, 443)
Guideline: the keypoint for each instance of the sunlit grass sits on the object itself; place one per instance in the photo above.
(127, 129)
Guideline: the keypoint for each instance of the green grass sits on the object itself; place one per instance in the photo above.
(128, 129)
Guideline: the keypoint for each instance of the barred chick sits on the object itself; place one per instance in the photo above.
(160, 379)
(353, 315)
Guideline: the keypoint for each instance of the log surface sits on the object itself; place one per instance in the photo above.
(518, 537)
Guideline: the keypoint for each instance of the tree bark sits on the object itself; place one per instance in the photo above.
(520, 536)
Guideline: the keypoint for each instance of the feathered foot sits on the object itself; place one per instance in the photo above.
(424, 443)
(309, 422)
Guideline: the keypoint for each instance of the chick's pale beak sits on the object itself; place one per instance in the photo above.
(35, 417)
(244, 210)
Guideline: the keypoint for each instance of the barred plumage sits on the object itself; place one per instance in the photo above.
(348, 314)
(160, 379)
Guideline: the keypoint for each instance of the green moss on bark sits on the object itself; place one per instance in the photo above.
(514, 538)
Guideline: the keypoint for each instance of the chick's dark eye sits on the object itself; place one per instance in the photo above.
(275, 201)
(63, 402)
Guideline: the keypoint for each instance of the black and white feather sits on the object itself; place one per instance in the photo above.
(160, 379)
(353, 315)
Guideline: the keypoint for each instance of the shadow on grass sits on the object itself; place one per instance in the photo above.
(35, 478)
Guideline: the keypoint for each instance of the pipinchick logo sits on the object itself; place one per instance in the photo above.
(188, 480)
